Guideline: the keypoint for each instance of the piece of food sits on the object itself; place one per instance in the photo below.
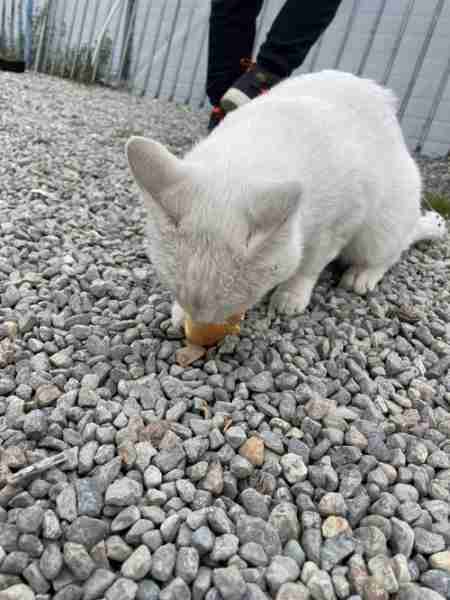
(208, 334)
(188, 355)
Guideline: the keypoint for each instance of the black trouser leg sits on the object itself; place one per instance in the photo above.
(231, 37)
(297, 27)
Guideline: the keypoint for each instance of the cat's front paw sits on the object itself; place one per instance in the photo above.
(285, 302)
(177, 316)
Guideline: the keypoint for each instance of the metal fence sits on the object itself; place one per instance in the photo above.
(159, 48)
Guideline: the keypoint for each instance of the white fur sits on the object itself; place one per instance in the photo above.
(315, 169)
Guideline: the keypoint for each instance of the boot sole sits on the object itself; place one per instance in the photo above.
(233, 99)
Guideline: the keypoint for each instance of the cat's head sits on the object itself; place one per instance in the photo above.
(218, 244)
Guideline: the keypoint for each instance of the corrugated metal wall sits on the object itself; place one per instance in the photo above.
(159, 48)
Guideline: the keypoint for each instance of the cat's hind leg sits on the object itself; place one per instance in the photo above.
(374, 251)
(362, 279)
(368, 258)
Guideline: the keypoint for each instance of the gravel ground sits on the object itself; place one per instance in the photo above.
(436, 174)
(308, 460)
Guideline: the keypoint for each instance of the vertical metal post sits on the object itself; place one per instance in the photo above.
(91, 36)
(101, 35)
(434, 107)
(316, 53)
(420, 58)
(373, 32)
(398, 41)
(2, 23)
(47, 35)
(42, 34)
(201, 50)
(168, 47)
(80, 37)
(183, 49)
(12, 27)
(140, 44)
(154, 46)
(348, 29)
(62, 71)
(21, 32)
(114, 41)
(29, 33)
(127, 36)
(51, 33)
(61, 35)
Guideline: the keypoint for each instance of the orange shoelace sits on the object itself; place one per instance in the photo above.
(247, 64)
(218, 110)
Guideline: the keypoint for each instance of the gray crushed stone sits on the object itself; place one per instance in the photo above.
(309, 460)
(436, 174)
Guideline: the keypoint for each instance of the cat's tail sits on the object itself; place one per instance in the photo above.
(430, 226)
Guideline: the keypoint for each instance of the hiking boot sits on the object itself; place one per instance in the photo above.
(217, 115)
(254, 82)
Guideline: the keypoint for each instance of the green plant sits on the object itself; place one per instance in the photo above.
(8, 54)
(11, 48)
(56, 58)
(77, 64)
(36, 24)
(124, 133)
(438, 202)
(104, 56)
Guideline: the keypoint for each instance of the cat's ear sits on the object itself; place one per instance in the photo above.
(155, 170)
(273, 204)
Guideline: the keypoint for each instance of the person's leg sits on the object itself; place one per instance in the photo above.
(293, 33)
(231, 37)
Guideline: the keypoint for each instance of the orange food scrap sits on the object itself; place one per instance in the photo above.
(208, 334)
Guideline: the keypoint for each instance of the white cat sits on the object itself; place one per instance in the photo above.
(315, 169)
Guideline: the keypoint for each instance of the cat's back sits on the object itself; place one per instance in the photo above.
(326, 98)
(361, 101)
(344, 90)
(307, 120)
